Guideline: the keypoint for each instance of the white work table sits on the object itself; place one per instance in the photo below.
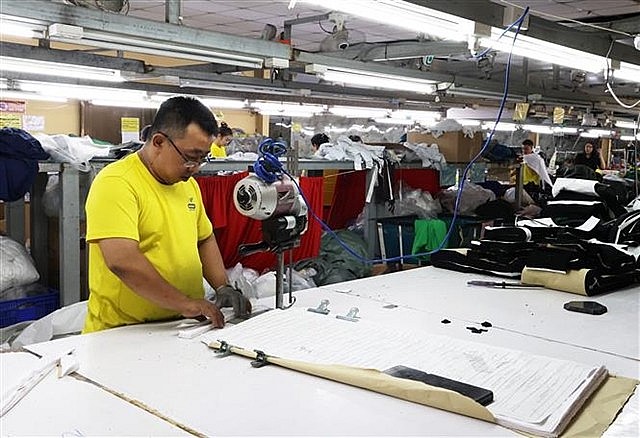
(188, 385)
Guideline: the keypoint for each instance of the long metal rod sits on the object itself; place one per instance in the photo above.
(280, 280)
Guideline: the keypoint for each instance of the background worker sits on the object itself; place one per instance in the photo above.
(150, 241)
(319, 139)
(221, 141)
(590, 157)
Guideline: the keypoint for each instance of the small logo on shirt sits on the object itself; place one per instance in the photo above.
(191, 205)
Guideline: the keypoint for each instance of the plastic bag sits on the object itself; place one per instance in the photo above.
(17, 267)
(418, 202)
(65, 321)
(74, 150)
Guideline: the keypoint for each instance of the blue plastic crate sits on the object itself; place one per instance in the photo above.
(29, 308)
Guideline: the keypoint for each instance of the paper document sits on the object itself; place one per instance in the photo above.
(531, 393)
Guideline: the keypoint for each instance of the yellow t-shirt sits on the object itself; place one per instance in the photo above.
(168, 221)
(529, 175)
(218, 151)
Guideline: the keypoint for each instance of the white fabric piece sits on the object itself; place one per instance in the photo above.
(17, 266)
(429, 154)
(242, 156)
(584, 186)
(64, 321)
(510, 196)
(536, 163)
(344, 149)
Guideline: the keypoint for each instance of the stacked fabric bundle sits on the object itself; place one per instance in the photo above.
(502, 258)
(595, 257)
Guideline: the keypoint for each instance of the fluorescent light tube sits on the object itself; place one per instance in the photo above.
(126, 103)
(539, 129)
(596, 133)
(627, 72)
(501, 126)
(58, 69)
(81, 92)
(629, 137)
(166, 49)
(17, 29)
(388, 82)
(287, 110)
(534, 48)
(394, 121)
(404, 15)
(213, 102)
(416, 114)
(625, 124)
(467, 122)
(359, 112)
(5, 94)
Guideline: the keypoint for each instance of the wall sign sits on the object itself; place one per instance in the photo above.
(13, 106)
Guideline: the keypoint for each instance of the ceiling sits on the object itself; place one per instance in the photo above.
(590, 25)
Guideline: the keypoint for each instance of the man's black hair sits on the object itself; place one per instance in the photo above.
(176, 113)
(319, 139)
(527, 142)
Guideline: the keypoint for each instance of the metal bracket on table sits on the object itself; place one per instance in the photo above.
(351, 316)
(223, 350)
(260, 360)
(322, 308)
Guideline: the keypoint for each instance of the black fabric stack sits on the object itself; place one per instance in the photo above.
(558, 257)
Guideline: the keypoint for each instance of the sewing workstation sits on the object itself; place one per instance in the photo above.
(319, 218)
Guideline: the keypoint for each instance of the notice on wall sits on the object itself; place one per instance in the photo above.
(8, 120)
(33, 123)
(13, 106)
(130, 129)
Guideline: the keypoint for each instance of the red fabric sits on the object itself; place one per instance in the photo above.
(233, 229)
(348, 199)
(349, 196)
(427, 180)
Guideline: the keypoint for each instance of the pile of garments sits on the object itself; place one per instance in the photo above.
(594, 257)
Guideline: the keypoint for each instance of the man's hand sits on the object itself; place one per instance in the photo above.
(194, 308)
(227, 296)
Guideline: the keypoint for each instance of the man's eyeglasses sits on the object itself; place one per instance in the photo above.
(189, 163)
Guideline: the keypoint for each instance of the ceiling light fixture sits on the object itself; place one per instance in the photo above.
(81, 92)
(16, 29)
(20, 65)
(287, 109)
(126, 103)
(404, 15)
(150, 47)
(8, 94)
(369, 79)
(355, 112)
(627, 72)
(626, 124)
(629, 137)
(534, 48)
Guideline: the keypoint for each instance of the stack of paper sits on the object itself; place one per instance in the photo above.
(533, 394)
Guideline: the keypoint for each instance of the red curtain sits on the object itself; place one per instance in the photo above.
(233, 229)
(349, 196)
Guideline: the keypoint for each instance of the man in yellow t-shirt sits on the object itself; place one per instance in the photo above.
(150, 241)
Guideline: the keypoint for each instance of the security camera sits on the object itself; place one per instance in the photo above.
(343, 45)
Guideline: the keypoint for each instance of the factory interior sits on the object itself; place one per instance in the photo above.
(320, 218)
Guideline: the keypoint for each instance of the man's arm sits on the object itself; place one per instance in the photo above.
(212, 263)
(123, 257)
(215, 274)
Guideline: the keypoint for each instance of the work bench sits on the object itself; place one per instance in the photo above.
(171, 386)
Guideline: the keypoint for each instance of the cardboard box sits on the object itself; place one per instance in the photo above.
(455, 147)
